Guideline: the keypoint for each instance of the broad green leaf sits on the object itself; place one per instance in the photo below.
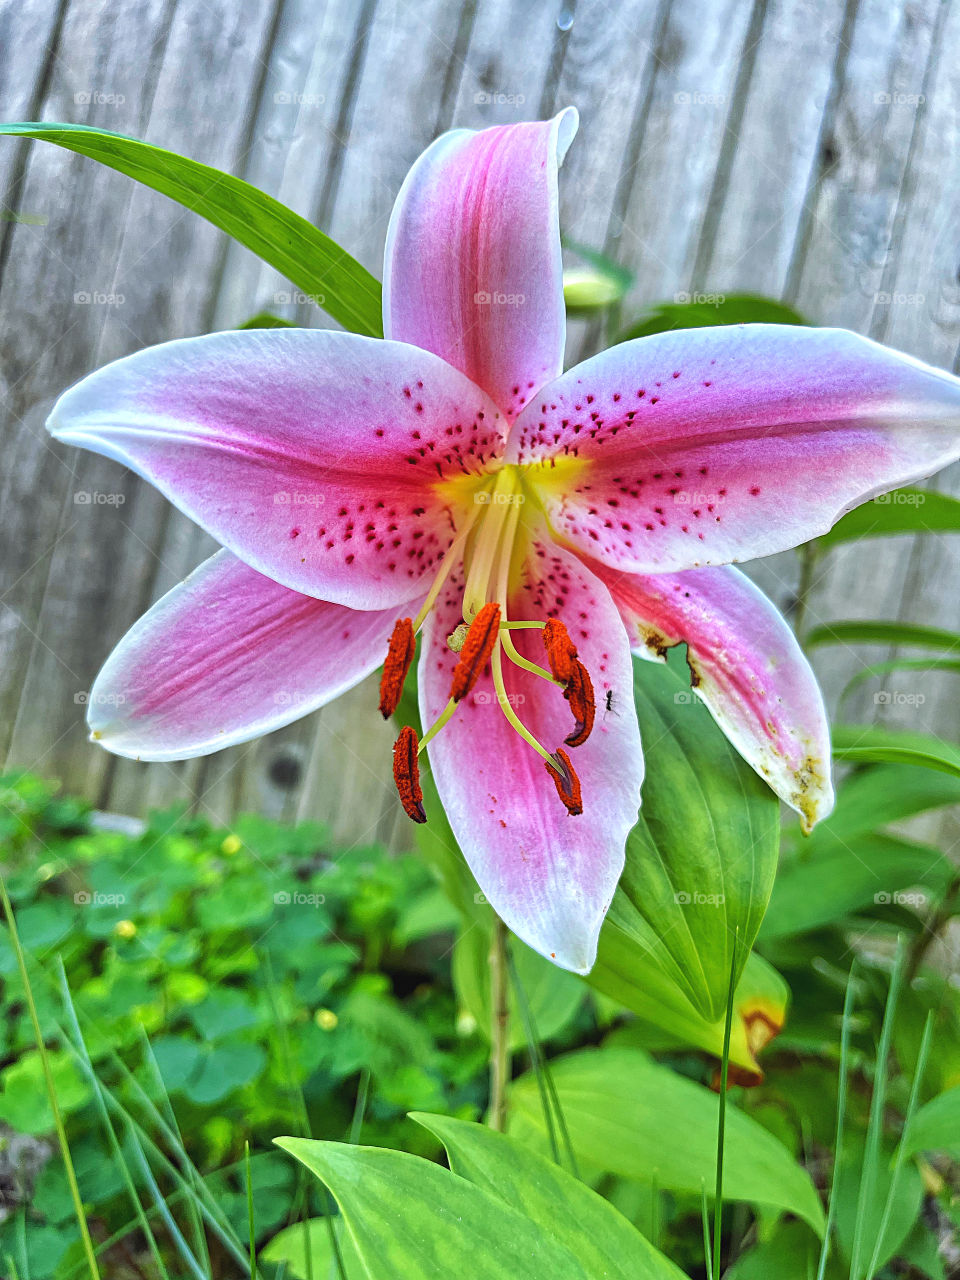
(554, 995)
(696, 311)
(840, 878)
(293, 1245)
(882, 632)
(630, 1116)
(875, 744)
(409, 1217)
(936, 1126)
(311, 260)
(636, 980)
(556, 1202)
(902, 511)
(701, 860)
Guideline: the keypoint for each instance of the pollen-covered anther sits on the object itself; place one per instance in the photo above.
(396, 665)
(476, 650)
(579, 693)
(567, 783)
(561, 651)
(406, 774)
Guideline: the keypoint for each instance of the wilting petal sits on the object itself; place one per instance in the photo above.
(472, 268)
(227, 655)
(549, 875)
(313, 456)
(746, 665)
(707, 446)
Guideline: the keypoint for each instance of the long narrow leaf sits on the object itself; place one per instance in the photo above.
(311, 260)
(873, 631)
(51, 1088)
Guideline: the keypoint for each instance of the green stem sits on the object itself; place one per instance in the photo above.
(51, 1088)
(499, 1027)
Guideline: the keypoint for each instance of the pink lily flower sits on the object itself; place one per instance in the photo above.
(455, 476)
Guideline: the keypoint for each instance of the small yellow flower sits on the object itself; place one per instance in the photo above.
(231, 845)
(325, 1019)
(125, 929)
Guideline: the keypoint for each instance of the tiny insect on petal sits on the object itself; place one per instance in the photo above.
(475, 653)
(406, 774)
(396, 665)
(567, 782)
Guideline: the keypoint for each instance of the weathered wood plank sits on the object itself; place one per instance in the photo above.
(723, 146)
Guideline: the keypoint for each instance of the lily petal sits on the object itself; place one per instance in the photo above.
(708, 446)
(746, 665)
(549, 875)
(316, 457)
(472, 266)
(225, 656)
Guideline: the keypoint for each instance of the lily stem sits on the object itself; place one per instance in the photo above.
(499, 1027)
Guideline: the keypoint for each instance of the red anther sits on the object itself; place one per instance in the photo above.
(406, 774)
(396, 665)
(567, 782)
(579, 693)
(561, 651)
(475, 653)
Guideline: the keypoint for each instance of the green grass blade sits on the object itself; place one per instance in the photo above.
(535, 1051)
(722, 1111)
(871, 1151)
(186, 1165)
(111, 1133)
(898, 1162)
(841, 1117)
(163, 1209)
(705, 1223)
(311, 260)
(250, 1215)
(51, 1088)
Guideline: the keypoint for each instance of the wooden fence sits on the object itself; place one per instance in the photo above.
(805, 149)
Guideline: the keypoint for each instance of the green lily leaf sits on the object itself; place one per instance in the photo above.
(882, 632)
(874, 744)
(559, 1204)
(636, 980)
(702, 858)
(264, 320)
(702, 309)
(840, 878)
(902, 511)
(629, 1116)
(900, 664)
(406, 1216)
(306, 1252)
(875, 797)
(311, 260)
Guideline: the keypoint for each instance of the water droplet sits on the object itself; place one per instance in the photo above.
(565, 20)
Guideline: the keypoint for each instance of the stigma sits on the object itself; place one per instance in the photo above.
(486, 544)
